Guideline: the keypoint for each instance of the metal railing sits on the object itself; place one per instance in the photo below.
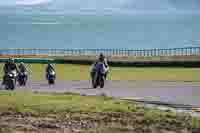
(186, 51)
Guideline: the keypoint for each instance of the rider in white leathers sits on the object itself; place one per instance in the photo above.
(103, 60)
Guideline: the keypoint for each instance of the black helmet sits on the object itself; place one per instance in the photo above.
(101, 56)
(21, 63)
(11, 60)
(50, 65)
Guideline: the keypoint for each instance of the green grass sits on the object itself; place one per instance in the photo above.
(60, 105)
(81, 72)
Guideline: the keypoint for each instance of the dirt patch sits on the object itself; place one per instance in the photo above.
(83, 122)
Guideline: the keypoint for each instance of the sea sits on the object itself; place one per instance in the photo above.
(131, 24)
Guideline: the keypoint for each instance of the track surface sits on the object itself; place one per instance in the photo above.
(173, 92)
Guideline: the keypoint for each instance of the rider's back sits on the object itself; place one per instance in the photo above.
(10, 67)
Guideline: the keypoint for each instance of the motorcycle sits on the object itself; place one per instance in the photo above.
(51, 77)
(22, 78)
(98, 76)
(10, 81)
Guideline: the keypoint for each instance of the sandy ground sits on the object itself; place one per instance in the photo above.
(103, 123)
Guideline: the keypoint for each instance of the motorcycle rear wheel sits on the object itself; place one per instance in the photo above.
(102, 82)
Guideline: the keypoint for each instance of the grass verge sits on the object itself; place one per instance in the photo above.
(99, 108)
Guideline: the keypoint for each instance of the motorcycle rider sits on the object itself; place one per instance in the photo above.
(22, 67)
(102, 59)
(8, 67)
(49, 68)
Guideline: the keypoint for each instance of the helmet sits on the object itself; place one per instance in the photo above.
(11, 60)
(101, 57)
(21, 63)
(49, 65)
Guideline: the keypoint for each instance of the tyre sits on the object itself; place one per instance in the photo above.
(20, 82)
(24, 83)
(94, 80)
(6, 87)
(11, 85)
(25, 80)
(51, 82)
(102, 82)
(94, 85)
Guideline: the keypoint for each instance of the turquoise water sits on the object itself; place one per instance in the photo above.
(38, 28)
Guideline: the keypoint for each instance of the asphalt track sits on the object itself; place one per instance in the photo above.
(187, 93)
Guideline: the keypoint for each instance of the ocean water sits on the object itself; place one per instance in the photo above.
(33, 25)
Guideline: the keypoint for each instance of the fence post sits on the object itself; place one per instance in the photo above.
(186, 52)
(142, 52)
(136, 53)
(199, 51)
(166, 52)
(191, 51)
(194, 51)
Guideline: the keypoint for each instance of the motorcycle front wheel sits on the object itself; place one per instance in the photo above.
(10, 85)
(102, 82)
(51, 82)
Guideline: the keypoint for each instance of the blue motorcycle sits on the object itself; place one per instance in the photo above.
(22, 78)
(98, 76)
(51, 77)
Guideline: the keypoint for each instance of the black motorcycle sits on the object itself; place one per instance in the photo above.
(10, 80)
(22, 78)
(98, 76)
(51, 77)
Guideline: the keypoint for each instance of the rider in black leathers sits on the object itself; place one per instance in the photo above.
(22, 67)
(23, 70)
(8, 67)
(48, 69)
